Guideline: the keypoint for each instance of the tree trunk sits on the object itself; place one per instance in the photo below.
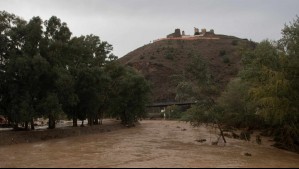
(75, 121)
(16, 126)
(221, 132)
(101, 121)
(51, 122)
(32, 124)
(26, 125)
(89, 121)
(97, 119)
(125, 119)
(101, 118)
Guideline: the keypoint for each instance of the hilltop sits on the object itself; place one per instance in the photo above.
(169, 56)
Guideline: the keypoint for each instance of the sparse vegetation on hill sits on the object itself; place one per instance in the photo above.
(172, 57)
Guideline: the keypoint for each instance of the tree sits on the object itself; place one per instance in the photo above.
(20, 68)
(45, 72)
(55, 49)
(238, 110)
(129, 95)
(184, 91)
(199, 72)
(29, 67)
(89, 88)
(86, 67)
(289, 43)
(272, 72)
(287, 135)
(269, 87)
(198, 68)
(207, 112)
(67, 94)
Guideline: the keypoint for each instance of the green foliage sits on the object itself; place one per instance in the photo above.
(129, 95)
(173, 112)
(287, 137)
(234, 98)
(270, 89)
(198, 68)
(44, 72)
(184, 91)
(238, 110)
(265, 95)
(205, 111)
(272, 72)
(51, 105)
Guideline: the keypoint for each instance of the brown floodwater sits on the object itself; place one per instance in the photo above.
(151, 144)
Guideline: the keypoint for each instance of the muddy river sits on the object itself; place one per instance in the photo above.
(151, 144)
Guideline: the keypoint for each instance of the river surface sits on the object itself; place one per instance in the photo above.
(152, 144)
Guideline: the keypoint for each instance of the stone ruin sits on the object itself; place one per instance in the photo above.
(203, 32)
(177, 33)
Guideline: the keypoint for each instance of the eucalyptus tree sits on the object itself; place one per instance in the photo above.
(128, 96)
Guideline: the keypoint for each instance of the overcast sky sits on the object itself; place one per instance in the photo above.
(129, 24)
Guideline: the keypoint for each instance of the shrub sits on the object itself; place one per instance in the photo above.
(173, 112)
(235, 42)
(222, 52)
(130, 64)
(225, 59)
(159, 64)
(169, 56)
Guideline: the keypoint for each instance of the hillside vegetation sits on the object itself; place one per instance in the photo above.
(161, 61)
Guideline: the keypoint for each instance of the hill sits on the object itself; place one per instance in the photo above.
(160, 60)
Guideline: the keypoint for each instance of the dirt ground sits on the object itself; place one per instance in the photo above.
(150, 144)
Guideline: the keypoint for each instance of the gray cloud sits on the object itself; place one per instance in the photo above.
(129, 24)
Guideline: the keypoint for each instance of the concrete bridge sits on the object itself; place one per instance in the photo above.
(165, 104)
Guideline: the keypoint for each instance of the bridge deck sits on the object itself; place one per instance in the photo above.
(165, 104)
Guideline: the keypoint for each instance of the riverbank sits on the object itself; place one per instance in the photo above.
(43, 134)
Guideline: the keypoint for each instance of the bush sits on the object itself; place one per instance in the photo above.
(287, 137)
(235, 42)
(169, 56)
(222, 52)
(225, 59)
(152, 57)
(245, 135)
(173, 112)
(159, 64)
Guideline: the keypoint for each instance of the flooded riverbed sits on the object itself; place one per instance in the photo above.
(151, 144)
